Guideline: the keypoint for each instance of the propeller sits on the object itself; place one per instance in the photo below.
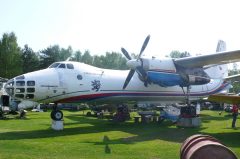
(144, 46)
(126, 54)
(134, 63)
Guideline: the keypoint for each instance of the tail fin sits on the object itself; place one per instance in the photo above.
(219, 71)
(221, 46)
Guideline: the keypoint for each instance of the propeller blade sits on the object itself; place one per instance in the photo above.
(129, 77)
(126, 54)
(144, 46)
(141, 72)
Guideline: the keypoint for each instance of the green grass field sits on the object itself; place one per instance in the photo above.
(88, 137)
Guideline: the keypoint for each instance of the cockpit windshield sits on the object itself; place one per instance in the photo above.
(61, 65)
(54, 65)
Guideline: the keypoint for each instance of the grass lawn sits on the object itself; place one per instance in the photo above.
(88, 137)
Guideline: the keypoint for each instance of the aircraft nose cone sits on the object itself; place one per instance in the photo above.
(133, 64)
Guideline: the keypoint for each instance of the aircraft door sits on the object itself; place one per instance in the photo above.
(67, 77)
(62, 80)
(4, 100)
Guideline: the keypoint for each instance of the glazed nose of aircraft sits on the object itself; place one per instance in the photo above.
(9, 88)
(20, 88)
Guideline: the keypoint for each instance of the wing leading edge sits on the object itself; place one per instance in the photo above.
(211, 59)
(231, 99)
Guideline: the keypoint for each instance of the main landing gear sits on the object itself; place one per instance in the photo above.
(188, 111)
(56, 114)
(188, 116)
(122, 113)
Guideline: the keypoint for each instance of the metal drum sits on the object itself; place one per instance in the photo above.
(204, 147)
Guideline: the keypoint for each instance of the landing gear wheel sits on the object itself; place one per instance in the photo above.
(56, 115)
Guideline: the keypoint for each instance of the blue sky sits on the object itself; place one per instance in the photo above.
(108, 25)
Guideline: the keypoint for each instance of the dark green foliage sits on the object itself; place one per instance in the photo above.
(87, 58)
(77, 56)
(235, 84)
(30, 60)
(111, 60)
(53, 54)
(10, 56)
(49, 56)
(64, 54)
(178, 54)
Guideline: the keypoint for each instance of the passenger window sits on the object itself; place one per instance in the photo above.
(79, 77)
(70, 66)
(30, 83)
(62, 66)
(30, 90)
(30, 96)
(20, 83)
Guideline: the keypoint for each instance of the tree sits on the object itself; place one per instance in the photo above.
(115, 60)
(87, 58)
(233, 71)
(77, 56)
(30, 60)
(49, 56)
(65, 53)
(235, 84)
(111, 60)
(178, 54)
(99, 61)
(235, 87)
(10, 56)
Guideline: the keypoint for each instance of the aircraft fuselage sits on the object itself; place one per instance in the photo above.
(74, 82)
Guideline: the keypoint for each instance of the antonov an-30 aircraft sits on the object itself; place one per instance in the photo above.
(149, 79)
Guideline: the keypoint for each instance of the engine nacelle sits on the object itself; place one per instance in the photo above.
(160, 65)
(197, 80)
(165, 73)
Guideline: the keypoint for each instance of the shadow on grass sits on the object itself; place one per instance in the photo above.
(139, 132)
(231, 139)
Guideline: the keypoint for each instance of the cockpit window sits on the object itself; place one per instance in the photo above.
(54, 65)
(79, 77)
(62, 66)
(70, 66)
(20, 77)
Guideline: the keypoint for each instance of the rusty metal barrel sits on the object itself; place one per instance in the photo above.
(204, 147)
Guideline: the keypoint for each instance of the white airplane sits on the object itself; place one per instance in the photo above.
(149, 79)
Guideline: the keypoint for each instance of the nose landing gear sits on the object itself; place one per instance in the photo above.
(56, 114)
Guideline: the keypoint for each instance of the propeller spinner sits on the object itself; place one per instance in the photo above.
(135, 64)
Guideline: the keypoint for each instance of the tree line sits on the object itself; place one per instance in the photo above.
(15, 60)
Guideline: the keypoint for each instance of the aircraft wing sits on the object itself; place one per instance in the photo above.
(231, 99)
(233, 77)
(211, 59)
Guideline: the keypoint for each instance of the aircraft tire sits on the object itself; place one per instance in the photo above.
(56, 115)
